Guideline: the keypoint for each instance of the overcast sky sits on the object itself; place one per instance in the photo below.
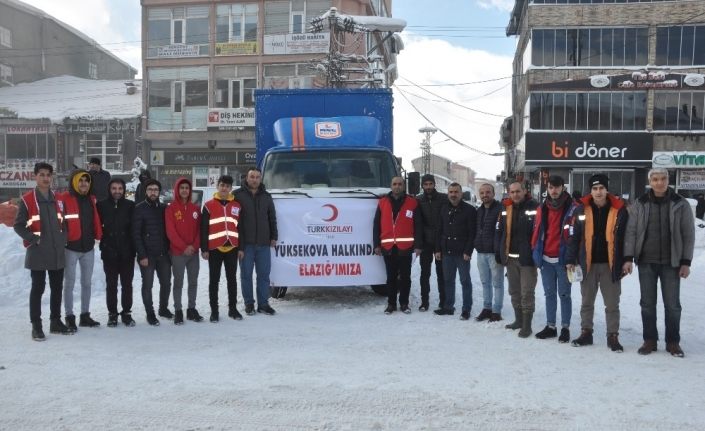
(462, 42)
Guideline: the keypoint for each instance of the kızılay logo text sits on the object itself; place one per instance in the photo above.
(586, 151)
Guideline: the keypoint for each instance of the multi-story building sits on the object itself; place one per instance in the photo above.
(446, 171)
(203, 59)
(35, 45)
(608, 86)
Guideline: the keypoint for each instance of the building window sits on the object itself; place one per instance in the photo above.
(92, 70)
(5, 73)
(29, 149)
(588, 111)
(292, 16)
(679, 110)
(5, 37)
(177, 98)
(682, 45)
(291, 76)
(237, 22)
(235, 86)
(178, 32)
(599, 47)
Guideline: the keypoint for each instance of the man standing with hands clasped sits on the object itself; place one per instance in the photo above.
(660, 237)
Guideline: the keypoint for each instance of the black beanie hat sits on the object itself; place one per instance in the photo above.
(599, 179)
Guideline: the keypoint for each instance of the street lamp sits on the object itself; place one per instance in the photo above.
(426, 147)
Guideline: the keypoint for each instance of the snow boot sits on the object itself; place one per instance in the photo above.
(547, 332)
(178, 317)
(516, 324)
(585, 338)
(484, 315)
(526, 319)
(127, 319)
(565, 335)
(192, 314)
(56, 326)
(613, 343)
(85, 321)
(112, 320)
(71, 323)
(234, 314)
(38, 332)
(648, 347)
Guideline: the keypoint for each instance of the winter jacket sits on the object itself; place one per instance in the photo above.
(140, 192)
(581, 235)
(458, 226)
(539, 235)
(681, 224)
(486, 226)
(258, 218)
(44, 251)
(396, 205)
(99, 184)
(183, 222)
(149, 230)
(430, 209)
(83, 226)
(503, 236)
(116, 218)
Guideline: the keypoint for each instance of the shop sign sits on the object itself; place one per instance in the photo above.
(300, 43)
(177, 50)
(174, 171)
(17, 179)
(227, 118)
(637, 81)
(26, 130)
(679, 159)
(200, 157)
(586, 148)
(235, 48)
(247, 157)
(692, 180)
(99, 127)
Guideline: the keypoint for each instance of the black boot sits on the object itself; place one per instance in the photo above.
(112, 320)
(613, 343)
(178, 317)
(166, 313)
(192, 314)
(85, 321)
(484, 315)
(526, 319)
(234, 314)
(516, 324)
(37, 331)
(585, 338)
(547, 332)
(56, 326)
(70, 323)
(152, 319)
(127, 319)
(565, 335)
(215, 316)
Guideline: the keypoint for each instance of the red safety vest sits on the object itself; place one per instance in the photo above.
(72, 217)
(399, 232)
(222, 226)
(33, 219)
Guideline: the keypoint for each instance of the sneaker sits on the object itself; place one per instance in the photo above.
(192, 314)
(390, 309)
(613, 343)
(465, 315)
(127, 319)
(547, 332)
(485, 314)
(565, 335)
(215, 316)
(152, 319)
(250, 309)
(674, 348)
(179, 317)
(85, 321)
(112, 320)
(165, 313)
(585, 338)
(405, 309)
(38, 332)
(234, 314)
(648, 347)
(444, 311)
(495, 317)
(266, 309)
(70, 323)
(56, 326)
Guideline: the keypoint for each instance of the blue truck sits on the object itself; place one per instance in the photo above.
(326, 157)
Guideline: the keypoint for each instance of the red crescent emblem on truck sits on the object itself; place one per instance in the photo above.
(335, 212)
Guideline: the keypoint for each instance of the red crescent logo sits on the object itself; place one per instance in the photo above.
(335, 212)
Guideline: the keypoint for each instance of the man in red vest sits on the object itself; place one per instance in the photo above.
(183, 228)
(39, 223)
(397, 234)
(219, 244)
(83, 228)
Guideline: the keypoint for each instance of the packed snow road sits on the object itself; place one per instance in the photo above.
(331, 360)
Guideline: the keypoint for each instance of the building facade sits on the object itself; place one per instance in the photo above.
(606, 86)
(446, 171)
(202, 61)
(35, 45)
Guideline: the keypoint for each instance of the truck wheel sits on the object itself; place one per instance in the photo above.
(380, 289)
(277, 292)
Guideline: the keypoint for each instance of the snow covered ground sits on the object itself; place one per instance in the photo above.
(331, 360)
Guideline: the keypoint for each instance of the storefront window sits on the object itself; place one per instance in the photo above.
(679, 110)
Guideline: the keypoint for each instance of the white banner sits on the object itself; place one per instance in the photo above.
(326, 242)
(692, 179)
(231, 117)
(299, 43)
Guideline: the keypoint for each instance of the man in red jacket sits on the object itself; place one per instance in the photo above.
(183, 224)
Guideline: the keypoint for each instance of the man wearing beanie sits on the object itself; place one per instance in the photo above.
(430, 202)
(596, 243)
(152, 244)
(100, 179)
(83, 228)
(549, 246)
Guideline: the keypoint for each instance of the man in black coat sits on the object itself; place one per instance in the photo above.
(430, 202)
(100, 179)
(152, 245)
(456, 239)
(491, 272)
(117, 251)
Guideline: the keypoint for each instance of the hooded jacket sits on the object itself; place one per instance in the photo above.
(183, 221)
(541, 226)
(83, 226)
(116, 218)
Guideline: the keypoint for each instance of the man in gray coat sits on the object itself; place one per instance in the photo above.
(660, 237)
(40, 224)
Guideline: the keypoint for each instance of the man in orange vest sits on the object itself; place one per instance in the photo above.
(219, 244)
(39, 223)
(83, 228)
(397, 234)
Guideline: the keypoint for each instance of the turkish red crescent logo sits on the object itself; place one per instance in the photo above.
(334, 215)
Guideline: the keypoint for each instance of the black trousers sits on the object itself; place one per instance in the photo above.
(124, 269)
(426, 260)
(398, 277)
(217, 259)
(162, 266)
(56, 286)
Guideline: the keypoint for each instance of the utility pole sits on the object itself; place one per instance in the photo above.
(426, 148)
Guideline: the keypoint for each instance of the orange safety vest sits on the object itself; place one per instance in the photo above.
(33, 219)
(399, 231)
(72, 217)
(222, 226)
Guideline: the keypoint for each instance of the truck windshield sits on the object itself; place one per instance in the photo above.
(315, 169)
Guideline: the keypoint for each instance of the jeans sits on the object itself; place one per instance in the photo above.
(649, 274)
(125, 270)
(162, 266)
(398, 278)
(185, 264)
(56, 276)
(216, 260)
(492, 278)
(555, 277)
(85, 260)
(427, 260)
(451, 265)
(259, 258)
